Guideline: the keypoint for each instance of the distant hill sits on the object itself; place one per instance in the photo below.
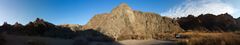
(209, 22)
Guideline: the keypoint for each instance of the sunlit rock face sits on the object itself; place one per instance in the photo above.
(72, 27)
(123, 21)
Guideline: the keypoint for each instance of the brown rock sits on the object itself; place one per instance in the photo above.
(73, 27)
(124, 22)
(6, 26)
(18, 26)
(208, 22)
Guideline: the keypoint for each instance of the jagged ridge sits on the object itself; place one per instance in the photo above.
(209, 22)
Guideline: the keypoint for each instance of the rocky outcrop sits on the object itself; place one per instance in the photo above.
(238, 20)
(39, 27)
(17, 27)
(5, 27)
(209, 22)
(72, 27)
(40, 23)
(124, 22)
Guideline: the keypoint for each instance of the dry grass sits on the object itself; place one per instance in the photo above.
(158, 36)
(198, 38)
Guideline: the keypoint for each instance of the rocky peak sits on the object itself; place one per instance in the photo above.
(39, 20)
(6, 24)
(122, 9)
(226, 15)
(123, 21)
(18, 25)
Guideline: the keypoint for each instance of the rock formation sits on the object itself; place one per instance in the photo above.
(18, 27)
(124, 22)
(39, 27)
(5, 26)
(72, 27)
(238, 20)
(209, 22)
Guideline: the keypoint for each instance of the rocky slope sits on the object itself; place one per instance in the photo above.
(123, 22)
(238, 20)
(72, 27)
(209, 22)
(39, 27)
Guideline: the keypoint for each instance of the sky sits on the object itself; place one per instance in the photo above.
(81, 11)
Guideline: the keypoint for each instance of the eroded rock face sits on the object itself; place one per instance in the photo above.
(124, 22)
(209, 22)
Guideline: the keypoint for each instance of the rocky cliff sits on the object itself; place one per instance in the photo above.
(124, 22)
(209, 22)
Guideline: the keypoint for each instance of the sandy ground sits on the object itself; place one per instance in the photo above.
(147, 42)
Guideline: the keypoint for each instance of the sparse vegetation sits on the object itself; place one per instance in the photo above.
(210, 39)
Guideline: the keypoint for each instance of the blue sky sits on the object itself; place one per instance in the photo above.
(81, 11)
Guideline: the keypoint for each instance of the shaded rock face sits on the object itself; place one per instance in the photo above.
(5, 26)
(238, 23)
(39, 27)
(238, 20)
(123, 22)
(40, 23)
(209, 22)
(42, 28)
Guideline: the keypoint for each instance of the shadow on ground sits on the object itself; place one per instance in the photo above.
(93, 37)
(84, 37)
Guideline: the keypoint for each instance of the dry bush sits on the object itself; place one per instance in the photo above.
(164, 36)
(132, 37)
(158, 36)
(211, 39)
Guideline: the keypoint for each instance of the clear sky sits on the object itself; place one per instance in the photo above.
(81, 11)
